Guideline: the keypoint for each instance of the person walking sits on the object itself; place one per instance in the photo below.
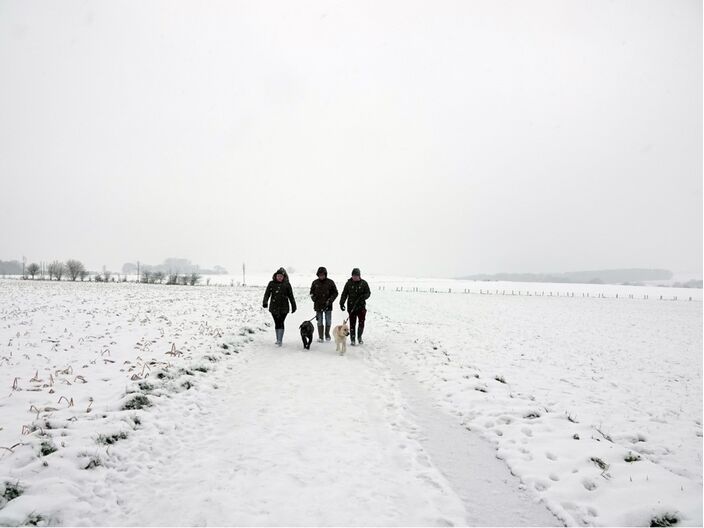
(281, 294)
(323, 292)
(355, 293)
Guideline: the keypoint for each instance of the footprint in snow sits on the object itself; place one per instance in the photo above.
(423, 460)
(589, 484)
(541, 485)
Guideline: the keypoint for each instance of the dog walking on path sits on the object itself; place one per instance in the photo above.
(340, 333)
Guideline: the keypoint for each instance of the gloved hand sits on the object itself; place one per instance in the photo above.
(342, 307)
(265, 305)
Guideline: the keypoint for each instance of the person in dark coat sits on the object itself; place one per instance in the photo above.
(281, 294)
(323, 292)
(355, 293)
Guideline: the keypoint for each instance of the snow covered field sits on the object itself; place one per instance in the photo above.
(166, 405)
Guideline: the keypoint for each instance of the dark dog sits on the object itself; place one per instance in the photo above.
(306, 334)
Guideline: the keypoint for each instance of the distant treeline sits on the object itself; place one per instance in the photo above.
(171, 266)
(694, 283)
(10, 267)
(617, 276)
(71, 269)
(172, 271)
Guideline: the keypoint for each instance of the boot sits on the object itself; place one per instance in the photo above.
(320, 333)
(360, 330)
(279, 336)
(327, 332)
(352, 337)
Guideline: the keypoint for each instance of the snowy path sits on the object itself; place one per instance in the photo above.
(288, 437)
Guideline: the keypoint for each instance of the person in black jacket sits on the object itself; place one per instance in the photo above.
(323, 292)
(280, 291)
(356, 293)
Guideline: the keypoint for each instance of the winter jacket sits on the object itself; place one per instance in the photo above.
(323, 292)
(281, 294)
(356, 294)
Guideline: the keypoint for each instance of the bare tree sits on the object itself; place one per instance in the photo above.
(147, 277)
(33, 269)
(56, 269)
(159, 276)
(83, 274)
(193, 279)
(74, 268)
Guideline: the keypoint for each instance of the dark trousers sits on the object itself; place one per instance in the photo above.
(357, 315)
(279, 320)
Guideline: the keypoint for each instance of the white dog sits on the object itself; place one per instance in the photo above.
(340, 333)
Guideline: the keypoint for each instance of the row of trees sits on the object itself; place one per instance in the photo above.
(74, 270)
(171, 265)
(158, 277)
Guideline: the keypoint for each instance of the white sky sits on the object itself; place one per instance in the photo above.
(429, 138)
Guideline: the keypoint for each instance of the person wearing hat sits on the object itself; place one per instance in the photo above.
(355, 293)
(280, 291)
(323, 292)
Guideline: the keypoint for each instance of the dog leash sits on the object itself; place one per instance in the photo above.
(351, 311)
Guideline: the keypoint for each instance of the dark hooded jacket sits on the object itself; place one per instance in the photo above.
(323, 292)
(280, 293)
(356, 295)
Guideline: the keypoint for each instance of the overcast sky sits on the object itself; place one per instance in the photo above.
(417, 138)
